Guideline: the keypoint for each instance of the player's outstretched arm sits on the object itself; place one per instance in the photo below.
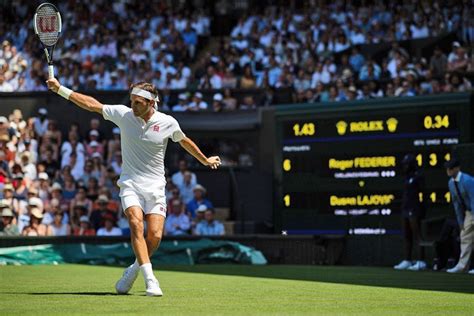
(214, 162)
(84, 101)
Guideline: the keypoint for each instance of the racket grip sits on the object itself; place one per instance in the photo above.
(50, 71)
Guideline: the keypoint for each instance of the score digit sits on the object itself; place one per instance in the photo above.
(287, 165)
(287, 200)
(433, 160)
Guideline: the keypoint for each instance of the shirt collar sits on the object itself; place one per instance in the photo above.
(458, 177)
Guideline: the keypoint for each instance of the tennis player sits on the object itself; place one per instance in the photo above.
(144, 136)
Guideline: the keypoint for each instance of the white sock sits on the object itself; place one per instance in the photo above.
(135, 266)
(147, 271)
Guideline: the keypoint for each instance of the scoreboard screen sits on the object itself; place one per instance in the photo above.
(339, 172)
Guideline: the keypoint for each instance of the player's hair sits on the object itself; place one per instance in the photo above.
(145, 86)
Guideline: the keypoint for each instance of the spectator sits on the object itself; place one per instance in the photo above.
(199, 193)
(9, 228)
(230, 103)
(35, 228)
(217, 104)
(41, 122)
(197, 104)
(98, 215)
(438, 62)
(177, 222)
(84, 228)
(199, 217)
(57, 227)
(247, 81)
(81, 199)
(50, 209)
(178, 177)
(209, 226)
(109, 228)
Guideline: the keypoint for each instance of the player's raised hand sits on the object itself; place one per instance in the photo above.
(53, 84)
(214, 162)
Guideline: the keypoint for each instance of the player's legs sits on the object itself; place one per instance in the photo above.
(155, 224)
(135, 220)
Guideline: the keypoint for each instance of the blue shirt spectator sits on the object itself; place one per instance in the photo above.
(356, 60)
(177, 222)
(209, 226)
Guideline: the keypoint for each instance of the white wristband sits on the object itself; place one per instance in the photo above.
(65, 92)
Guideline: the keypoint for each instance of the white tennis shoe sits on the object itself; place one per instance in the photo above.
(405, 264)
(125, 283)
(418, 266)
(153, 287)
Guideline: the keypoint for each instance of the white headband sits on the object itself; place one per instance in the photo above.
(147, 95)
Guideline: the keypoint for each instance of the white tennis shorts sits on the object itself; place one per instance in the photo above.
(150, 202)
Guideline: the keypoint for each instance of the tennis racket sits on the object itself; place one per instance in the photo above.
(47, 24)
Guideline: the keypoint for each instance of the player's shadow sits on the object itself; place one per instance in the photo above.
(368, 276)
(75, 293)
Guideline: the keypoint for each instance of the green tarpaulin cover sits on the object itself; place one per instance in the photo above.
(170, 252)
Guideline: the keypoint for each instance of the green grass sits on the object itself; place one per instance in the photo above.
(235, 290)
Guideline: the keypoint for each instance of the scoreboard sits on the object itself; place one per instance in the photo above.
(339, 170)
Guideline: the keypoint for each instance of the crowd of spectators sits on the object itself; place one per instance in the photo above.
(57, 185)
(137, 42)
(315, 53)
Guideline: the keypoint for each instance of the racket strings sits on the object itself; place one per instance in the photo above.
(47, 24)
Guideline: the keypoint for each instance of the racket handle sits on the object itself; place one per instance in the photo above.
(51, 71)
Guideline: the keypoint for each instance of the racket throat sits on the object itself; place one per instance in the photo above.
(48, 57)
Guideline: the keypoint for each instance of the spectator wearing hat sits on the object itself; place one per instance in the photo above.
(461, 188)
(44, 186)
(8, 197)
(199, 193)
(199, 217)
(84, 228)
(8, 227)
(94, 145)
(58, 227)
(177, 222)
(35, 227)
(41, 122)
(109, 228)
(217, 104)
(24, 214)
(56, 192)
(197, 104)
(209, 226)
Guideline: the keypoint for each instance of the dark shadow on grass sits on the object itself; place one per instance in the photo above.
(68, 293)
(367, 276)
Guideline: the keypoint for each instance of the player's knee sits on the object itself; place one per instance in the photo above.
(155, 234)
(136, 226)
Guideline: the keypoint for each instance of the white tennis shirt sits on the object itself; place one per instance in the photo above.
(143, 145)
